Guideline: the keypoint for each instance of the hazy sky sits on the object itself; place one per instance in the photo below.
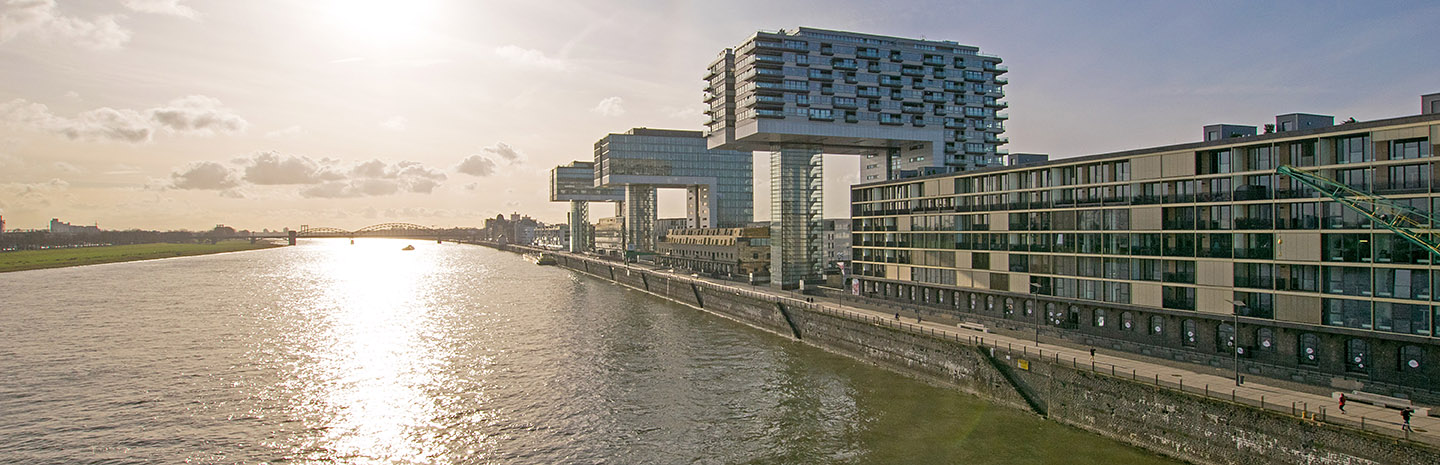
(267, 114)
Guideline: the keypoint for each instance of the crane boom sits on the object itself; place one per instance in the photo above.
(1410, 223)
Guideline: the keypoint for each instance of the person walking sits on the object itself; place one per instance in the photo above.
(1092, 354)
(1405, 415)
(1342, 402)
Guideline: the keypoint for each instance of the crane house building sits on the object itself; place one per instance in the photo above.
(1190, 252)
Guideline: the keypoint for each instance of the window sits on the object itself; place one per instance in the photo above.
(1099, 318)
(1265, 339)
(1348, 313)
(1187, 333)
(1402, 318)
(1224, 338)
(1157, 325)
(1309, 349)
(1345, 280)
(1029, 308)
(1409, 148)
(1353, 150)
(1053, 315)
(1357, 355)
(1180, 298)
(1410, 358)
(1127, 321)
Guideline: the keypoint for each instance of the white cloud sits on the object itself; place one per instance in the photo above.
(43, 20)
(73, 95)
(162, 7)
(530, 57)
(476, 165)
(193, 115)
(503, 151)
(291, 131)
(610, 106)
(375, 178)
(271, 168)
(206, 175)
(395, 123)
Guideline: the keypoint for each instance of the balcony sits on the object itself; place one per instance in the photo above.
(769, 59)
(1001, 81)
(844, 64)
(868, 53)
(1002, 116)
(992, 103)
(998, 69)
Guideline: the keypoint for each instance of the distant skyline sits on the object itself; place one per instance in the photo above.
(269, 114)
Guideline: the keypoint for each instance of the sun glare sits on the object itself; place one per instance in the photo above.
(381, 23)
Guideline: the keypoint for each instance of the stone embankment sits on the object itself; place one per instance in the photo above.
(1124, 400)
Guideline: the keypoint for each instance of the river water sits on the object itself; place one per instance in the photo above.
(335, 353)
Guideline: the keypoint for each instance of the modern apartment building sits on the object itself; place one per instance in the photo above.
(717, 182)
(1165, 250)
(610, 236)
(837, 243)
(907, 106)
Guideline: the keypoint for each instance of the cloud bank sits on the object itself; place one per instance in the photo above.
(43, 20)
(195, 115)
(324, 178)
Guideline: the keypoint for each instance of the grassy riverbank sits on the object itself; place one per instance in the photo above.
(58, 258)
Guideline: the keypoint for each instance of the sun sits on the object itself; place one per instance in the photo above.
(381, 23)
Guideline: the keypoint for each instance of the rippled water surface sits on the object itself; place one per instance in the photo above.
(335, 353)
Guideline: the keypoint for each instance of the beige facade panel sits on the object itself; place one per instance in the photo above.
(962, 259)
(1000, 221)
(1215, 301)
(892, 270)
(1298, 308)
(965, 278)
(947, 187)
(978, 279)
(1145, 218)
(999, 261)
(1147, 294)
(1298, 246)
(1214, 273)
(932, 187)
(1178, 164)
(1394, 134)
(1020, 282)
(904, 274)
(1142, 168)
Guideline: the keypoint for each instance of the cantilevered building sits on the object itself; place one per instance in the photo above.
(1164, 250)
(907, 106)
(717, 182)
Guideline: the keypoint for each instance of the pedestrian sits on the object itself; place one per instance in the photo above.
(1342, 402)
(1405, 415)
(1092, 354)
(897, 316)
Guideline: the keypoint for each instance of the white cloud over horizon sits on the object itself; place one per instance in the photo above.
(43, 20)
(610, 106)
(194, 115)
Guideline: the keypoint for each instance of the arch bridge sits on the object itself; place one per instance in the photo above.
(401, 230)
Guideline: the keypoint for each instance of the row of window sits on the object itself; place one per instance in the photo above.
(1308, 349)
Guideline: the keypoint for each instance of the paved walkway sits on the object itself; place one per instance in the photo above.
(1254, 392)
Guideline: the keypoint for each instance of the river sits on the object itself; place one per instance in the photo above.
(329, 352)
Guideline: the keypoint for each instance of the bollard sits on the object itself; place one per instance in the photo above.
(1207, 390)
(1362, 423)
(1232, 395)
(1157, 379)
(1262, 402)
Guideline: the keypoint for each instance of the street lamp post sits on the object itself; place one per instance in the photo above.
(1235, 335)
(1034, 289)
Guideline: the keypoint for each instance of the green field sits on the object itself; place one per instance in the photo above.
(57, 258)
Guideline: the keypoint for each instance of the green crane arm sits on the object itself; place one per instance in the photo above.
(1408, 222)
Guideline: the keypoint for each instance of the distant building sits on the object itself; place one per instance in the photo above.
(610, 236)
(1017, 159)
(737, 251)
(836, 243)
(664, 225)
(553, 236)
(59, 227)
(2, 225)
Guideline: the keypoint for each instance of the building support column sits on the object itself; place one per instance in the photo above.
(640, 218)
(796, 207)
(699, 209)
(579, 226)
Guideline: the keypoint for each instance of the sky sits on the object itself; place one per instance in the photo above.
(184, 114)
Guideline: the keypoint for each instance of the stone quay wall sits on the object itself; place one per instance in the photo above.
(1154, 416)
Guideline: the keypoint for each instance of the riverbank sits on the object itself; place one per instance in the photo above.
(59, 258)
(1175, 412)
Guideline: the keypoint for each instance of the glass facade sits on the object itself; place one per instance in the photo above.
(646, 159)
